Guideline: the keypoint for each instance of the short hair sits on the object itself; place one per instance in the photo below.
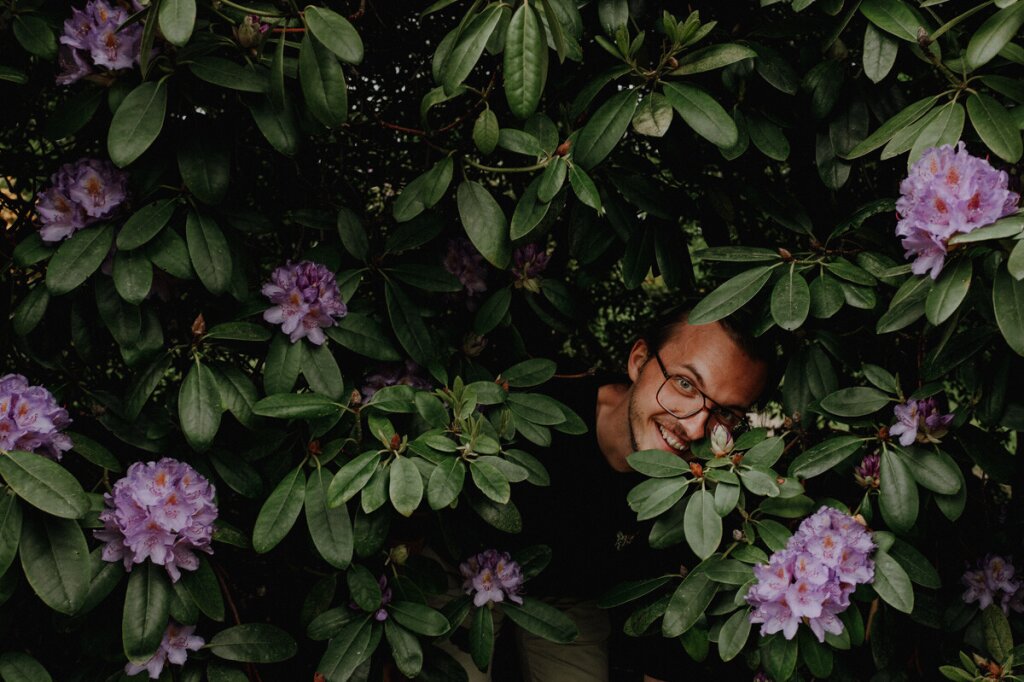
(739, 326)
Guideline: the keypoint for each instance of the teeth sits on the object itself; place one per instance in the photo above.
(670, 439)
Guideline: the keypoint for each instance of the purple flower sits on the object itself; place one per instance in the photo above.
(994, 582)
(867, 473)
(919, 420)
(160, 511)
(80, 194)
(306, 298)
(94, 37)
(528, 263)
(948, 192)
(406, 374)
(466, 263)
(812, 578)
(30, 419)
(177, 642)
(491, 576)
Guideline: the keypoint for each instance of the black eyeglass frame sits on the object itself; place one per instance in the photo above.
(715, 412)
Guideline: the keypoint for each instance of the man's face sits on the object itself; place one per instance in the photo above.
(710, 360)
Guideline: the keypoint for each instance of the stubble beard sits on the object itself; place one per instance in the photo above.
(634, 416)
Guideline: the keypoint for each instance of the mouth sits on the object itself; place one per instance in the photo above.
(671, 440)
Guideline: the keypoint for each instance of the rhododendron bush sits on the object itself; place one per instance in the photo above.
(285, 285)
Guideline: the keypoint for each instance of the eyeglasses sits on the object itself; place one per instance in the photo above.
(681, 399)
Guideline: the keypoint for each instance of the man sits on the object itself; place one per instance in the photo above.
(682, 380)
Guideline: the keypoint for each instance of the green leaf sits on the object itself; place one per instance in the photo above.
(623, 593)
(237, 331)
(993, 122)
(405, 487)
(330, 528)
(421, 619)
(323, 83)
(998, 637)
(946, 128)
(296, 406)
(604, 129)
(481, 637)
(363, 587)
(279, 512)
(658, 463)
(1008, 302)
(10, 530)
(770, 140)
(855, 402)
(30, 311)
(530, 211)
(893, 16)
(731, 295)
(484, 222)
(490, 480)
(486, 131)
(209, 251)
(702, 524)
(760, 481)
(766, 453)
(35, 35)
(825, 455)
(277, 123)
(949, 292)
(405, 649)
(879, 53)
(203, 588)
(934, 470)
(146, 610)
(349, 649)
(352, 233)
(688, 604)
(145, 224)
(284, 361)
(77, 258)
(468, 48)
(133, 276)
(363, 335)
(44, 484)
(137, 122)
(791, 300)
(887, 130)
(918, 569)
(551, 180)
(322, 372)
(584, 187)
(199, 408)
(18, 667)
(993, 35)
(702, 113)
(525, 61)
(352, 477)
(543, 620)
(445, 484)
(253, 643)
(177, 18)
(230, 75)
(734, 634)
(892, 583)
(335, 32)
(712, 57)
(897, 494)
(529, 373)
(408, 325)
(55, 559)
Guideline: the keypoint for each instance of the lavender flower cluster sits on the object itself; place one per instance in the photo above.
(306, 299)
(30, 419)
(948, 192)
(174, 647)
(868, 472)
(812, 579)
(993, 581)
(405, 374)
(93, 38)
(467, 264)
(919, 420)
(160, 511)
(492, 576)
(80, 194)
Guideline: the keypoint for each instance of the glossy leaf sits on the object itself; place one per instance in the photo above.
(702, 113)
(137, 122)
(253, 643)
(199, 407)
(525, 61)
(484, 222)
(44, 484)
(146, 609)
(279, 512)
(727, 298)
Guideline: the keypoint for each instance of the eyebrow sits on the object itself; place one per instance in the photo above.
(700, 380)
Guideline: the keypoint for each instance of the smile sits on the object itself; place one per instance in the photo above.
(672, 441)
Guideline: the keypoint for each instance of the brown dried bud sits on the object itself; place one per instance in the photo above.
(736, 459)
(355, 399)
(780, 480)
(923, 39)
(199, 326)
(314, 447)
(785, 254)
(396, 440)
(883, 433)
(673, 63)
(696, 469)
(319, 677)
(504, 385)
(563, 148)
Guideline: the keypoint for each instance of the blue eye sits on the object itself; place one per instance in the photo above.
(684, 384)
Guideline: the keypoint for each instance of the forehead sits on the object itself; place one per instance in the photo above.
(727, 373)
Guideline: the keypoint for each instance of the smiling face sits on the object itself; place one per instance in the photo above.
(712, 361)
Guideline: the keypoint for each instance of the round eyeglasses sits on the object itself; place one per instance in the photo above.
(680, 398)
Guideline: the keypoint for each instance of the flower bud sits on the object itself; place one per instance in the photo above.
(696, 469)
(398, 554)
(563, 148)
(721, 441)
(473, 344)
(396, 440)
(250, 32)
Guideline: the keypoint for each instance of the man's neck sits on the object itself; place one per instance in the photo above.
(612, 425)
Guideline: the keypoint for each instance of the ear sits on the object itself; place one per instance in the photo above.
(638, 357)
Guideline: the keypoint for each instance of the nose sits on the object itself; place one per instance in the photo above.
(695, 425)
